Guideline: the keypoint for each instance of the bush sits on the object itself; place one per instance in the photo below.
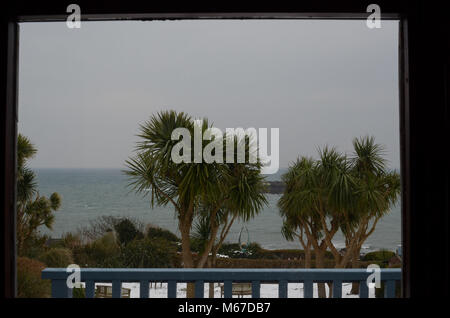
(155, 253)
(104, 252)
(197, 245)
(157, 232)
(29, 282)
(127, 231)
(382, 256)
(78, 292)
(233, 250)
(57, 257)
(98, 227)
(33, 246)
(71, 241)
(266, 263)
(283, 254)
(229, 249)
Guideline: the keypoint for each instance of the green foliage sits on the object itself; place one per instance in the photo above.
(382, 256)
(104, 252)
(33, 245)
(57, 257)
(282, 254)
(229, 248)
(97, 228)
(351, 193)
(188, 184)
(157, 232)
(70, 241)
(233, 250)
(152, 166)
(266, 263)
(29, 282)
(33, 210)
(78, 292)
(127, 231)
(197, 245)
(146, 253)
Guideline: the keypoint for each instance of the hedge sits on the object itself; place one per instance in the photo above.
(265, 263)
(29, 282)
(57, 257)
(157, 232)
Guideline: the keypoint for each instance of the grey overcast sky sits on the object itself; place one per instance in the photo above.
(84, 92)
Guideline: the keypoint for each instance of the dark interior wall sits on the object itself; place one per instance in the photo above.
(426, 166)
(8, 124)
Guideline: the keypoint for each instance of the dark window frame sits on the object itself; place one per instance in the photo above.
(424, 75)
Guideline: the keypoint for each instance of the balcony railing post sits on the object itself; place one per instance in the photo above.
(389, 289)
(199, 289)
(308, 289)
(116, 288)
(60, 289)
(90, 289)
(363, 290)
(171, 289)
(143, 289)
(337, 288)
(256, 289)
(283, 289)
(228, 289)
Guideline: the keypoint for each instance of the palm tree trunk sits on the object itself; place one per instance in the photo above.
(211, 285)
(203, 258)
(355, 264)
(308, 257)
(186, 254)
(320, 254)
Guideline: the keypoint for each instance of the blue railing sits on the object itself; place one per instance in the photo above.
(282, 277)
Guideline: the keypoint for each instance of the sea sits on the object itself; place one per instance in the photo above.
(88, 194)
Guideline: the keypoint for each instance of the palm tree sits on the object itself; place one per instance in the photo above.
(377, 190)
(33, 210)
(181, 184)
(243, 196)
(299, 207)
(373, 191)
(336, 192)
(195, 188)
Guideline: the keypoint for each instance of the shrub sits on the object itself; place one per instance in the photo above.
(229, 249)
(29, 282)
(197, 245)
(127, 231)
(265, 263)
(71, 241)
(233, 250)
(57, 257)
(382, 256)
(145, 253)
(98, 227)
(33, 245)
(78, 292)
(256, 251)
(104, 252)
(157, 232)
